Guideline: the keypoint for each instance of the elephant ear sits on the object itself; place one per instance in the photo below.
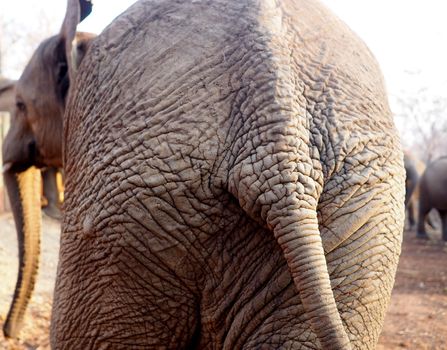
(7, 99)
(6, 84)
(77, 10)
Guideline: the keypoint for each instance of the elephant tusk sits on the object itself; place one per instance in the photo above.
(6, 167)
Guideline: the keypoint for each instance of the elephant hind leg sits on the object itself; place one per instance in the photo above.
(123, 289)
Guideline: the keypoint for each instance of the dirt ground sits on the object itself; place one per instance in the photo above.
(34, 333)
(416, 319)
(417, 315)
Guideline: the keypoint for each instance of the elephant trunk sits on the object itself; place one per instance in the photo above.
(24, 192)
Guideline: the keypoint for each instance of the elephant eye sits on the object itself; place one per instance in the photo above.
(20, 106)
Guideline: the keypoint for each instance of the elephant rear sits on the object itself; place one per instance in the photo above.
(203, 137)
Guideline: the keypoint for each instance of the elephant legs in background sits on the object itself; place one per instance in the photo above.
(423, 212)
(424, 216)
(443, 214)
(51, 193)
(410, 214)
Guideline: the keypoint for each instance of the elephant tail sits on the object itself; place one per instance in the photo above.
(289, 208)
(296, 231)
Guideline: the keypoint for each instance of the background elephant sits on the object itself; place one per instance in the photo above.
(433, 195)
(51, 202)
(414, 168)
(35, 139)
(233, 180)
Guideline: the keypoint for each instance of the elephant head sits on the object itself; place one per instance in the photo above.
(34, 140)
(35, 135)
(234, 180)
(49, 176)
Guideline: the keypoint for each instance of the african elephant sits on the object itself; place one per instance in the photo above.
(433, 195)
(233, 180)
(35, 139)
(50, 189)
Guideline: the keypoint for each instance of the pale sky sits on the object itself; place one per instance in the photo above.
(29, 15)
(408, 37)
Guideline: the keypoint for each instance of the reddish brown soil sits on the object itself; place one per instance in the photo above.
(417, 315)
(34, 334)
(416, 319)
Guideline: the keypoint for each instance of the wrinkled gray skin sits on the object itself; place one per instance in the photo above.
(433, 195)
(233, 180)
